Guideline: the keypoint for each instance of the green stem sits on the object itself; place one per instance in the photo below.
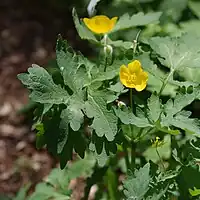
(132, 155)
(165, 83)
(161, 160)
(105, 64)
(135, 43)
(126, 157)
(105, 53)
(131, 99)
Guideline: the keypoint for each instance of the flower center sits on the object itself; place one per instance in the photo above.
(132, 78)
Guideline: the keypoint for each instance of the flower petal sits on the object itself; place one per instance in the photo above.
(135, 67)
(141, 87)
(123, 74)
(100, 24)
(113, 22)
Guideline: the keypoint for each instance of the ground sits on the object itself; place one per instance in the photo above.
(28, 34)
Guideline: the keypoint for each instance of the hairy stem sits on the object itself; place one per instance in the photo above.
(165, 82)
(161, 160)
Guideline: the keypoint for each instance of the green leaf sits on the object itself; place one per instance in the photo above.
(72, 66)
(156, 76)
(44, 90)
(178, 53)
(187, 177)
(195, 7)
(175, 116)
(73, 113)
(154, 106)
(127, 117)
(173, 9)
(157, 196)
(137, 185)
(82, 30)
(164, 150)
(102, 148)
(46, 192)
(112, 184)
(111, 71)
(139, 19)
(190, 26)
(21, 195)
(72, 140)
(122, 44)
(194, 192)
(40, 138)
(104, 122)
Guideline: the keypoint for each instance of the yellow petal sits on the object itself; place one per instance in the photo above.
(135, 67)
(100, 24)
(86, 21)
(141, 82)
(141, 87)
(123, 74)
(113, 22)
(144, 76)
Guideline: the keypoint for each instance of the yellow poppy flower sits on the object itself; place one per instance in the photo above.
(100, 24)
(133, 76)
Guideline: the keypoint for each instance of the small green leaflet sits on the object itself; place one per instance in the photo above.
(72, 66)
(43, 89)
(173, 9)
(104, 122)
(82, 30)
(102, 148)
(56, 187)
(178, 53)
(75, 141)
(46, 192)
(194, 192)
(137, 184)
(154, 106)
(127, 117)
(174, 115)
(195, 7)
(21, 195)
(139, 19)
(73, 113)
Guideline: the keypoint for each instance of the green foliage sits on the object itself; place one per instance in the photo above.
(81, 107)
(177, 53)
(44, 90)
(139, 19)
(57, 183)
(195, 7)
(105, 122)
(137, 185)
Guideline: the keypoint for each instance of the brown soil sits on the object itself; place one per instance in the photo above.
(28, 31)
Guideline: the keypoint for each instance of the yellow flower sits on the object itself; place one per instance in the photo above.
(133, 76)
(100, 24)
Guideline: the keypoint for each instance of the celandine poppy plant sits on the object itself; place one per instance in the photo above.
(133, 76)
(100, 24)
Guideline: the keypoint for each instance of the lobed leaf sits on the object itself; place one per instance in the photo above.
(178, 53)
(137, 185)
(83, 32)
(140, 19)
(43, 89)
(104, 122)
